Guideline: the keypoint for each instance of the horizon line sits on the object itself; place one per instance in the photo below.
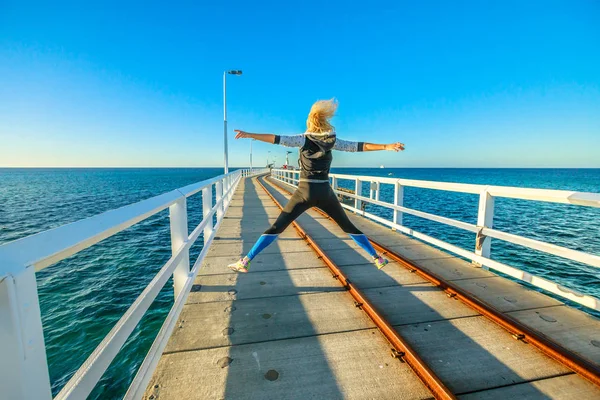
(247, 167)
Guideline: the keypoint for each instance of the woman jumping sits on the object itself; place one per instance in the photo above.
(314, 189)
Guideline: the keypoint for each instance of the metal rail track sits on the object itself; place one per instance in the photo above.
(519, 331)
(402, 349)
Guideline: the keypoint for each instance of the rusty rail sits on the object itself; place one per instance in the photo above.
(402, 349)
(519, 331)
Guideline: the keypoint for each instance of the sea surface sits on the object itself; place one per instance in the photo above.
(83, 296)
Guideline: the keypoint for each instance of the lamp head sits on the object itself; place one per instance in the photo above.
(235, 72)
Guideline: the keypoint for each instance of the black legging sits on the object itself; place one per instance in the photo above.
(313, 195)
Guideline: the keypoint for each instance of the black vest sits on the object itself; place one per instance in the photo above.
(315, 157)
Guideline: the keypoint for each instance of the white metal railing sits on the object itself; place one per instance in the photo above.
(23, 365)
(483, 229)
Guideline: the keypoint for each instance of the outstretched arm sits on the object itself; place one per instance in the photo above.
(287, 141)
(263, 137)
(346, 145)
(390, 147)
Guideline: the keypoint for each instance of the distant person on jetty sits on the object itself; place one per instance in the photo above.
(314, 189)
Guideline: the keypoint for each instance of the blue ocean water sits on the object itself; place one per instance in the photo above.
(82, 297)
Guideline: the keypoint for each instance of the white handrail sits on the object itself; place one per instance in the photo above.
(483, 229)
(23, 366)
(140, 382)
(84, 380)
(547, 195)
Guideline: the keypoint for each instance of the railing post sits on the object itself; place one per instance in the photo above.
(377, 190)
(179, 235)
(231, 192)
(226, 195)
(229, 185)
(398, 201)
(358, 192)
(23, 365)
(206, 207)
(334, 183)
(485, 219)
(227, 192)
(374, 189)
(218, 196)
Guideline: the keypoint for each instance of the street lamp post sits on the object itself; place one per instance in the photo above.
(251, 155)
(225, 73)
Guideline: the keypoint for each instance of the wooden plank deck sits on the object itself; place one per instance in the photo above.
(288, 330)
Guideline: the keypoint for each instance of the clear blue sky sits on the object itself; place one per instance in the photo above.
(462, 84)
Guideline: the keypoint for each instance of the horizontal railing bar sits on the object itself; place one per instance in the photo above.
(447, 186)
(547, 195)
(90, 372)
(564, 252)
(194, 188)
(365, 178)
(571, 294)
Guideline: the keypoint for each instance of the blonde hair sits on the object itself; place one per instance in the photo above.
(320, 114)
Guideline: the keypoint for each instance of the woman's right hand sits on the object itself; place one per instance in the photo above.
(241, 134)
(395, 146)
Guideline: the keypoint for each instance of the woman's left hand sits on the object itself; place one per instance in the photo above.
(395, 146)
(241, 134)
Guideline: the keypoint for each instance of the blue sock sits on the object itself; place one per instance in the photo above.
(363, 241)
(262, 242)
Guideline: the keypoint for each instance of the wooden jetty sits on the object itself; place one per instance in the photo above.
(314, 318)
